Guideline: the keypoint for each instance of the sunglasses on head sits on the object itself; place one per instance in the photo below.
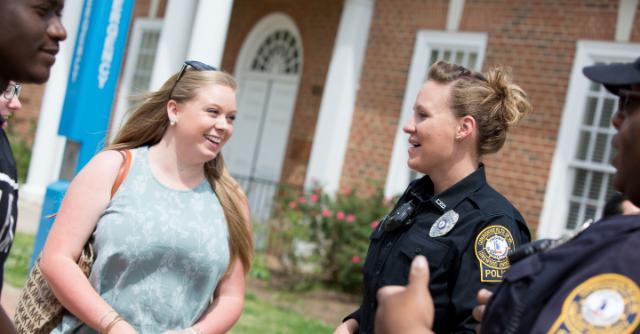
(628, 101)
(13, 90)
(196, 65)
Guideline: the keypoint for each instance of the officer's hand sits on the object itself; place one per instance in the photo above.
(407, 309)
(478, 312)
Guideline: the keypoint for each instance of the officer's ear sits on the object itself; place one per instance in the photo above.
(466, 127)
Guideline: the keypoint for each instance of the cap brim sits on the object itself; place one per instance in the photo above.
(614, 76)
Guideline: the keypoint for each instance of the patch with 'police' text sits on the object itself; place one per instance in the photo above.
(606, 303)
(491, 247)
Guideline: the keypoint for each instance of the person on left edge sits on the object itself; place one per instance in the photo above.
(451, 216)
(30, 33)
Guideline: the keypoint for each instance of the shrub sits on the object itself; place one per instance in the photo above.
(325, 239)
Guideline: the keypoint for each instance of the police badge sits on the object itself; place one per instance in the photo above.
(444, 224)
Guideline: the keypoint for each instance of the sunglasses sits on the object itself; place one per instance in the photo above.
(628, 101)
(13, 90)
(196, 65)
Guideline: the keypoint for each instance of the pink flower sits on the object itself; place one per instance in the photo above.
(302, 200)
(355, 259)
(292, 204)
(326, 213)
(374, 224)
(340, 215)
(313, 198)
(350, 218)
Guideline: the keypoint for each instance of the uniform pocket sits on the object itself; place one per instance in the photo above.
(435, 251)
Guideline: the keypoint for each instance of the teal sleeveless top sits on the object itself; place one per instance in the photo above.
(159, 252)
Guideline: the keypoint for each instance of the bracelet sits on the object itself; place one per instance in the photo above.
(111, 324)
(104, 317)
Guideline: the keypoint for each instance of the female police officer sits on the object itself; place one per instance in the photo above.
(452, 216)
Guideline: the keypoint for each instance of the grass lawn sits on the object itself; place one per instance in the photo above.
(16, 266)
(258, 316)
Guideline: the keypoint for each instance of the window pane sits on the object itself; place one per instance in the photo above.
(434, 57)
(583, 145)
(579, 182)
(590, 111)
(459, 58)
(594, 87)
(572, 219)
(596, 185)
(473, 59)
(602, 142)
(608, 107)
(590, 213)
(447, 55)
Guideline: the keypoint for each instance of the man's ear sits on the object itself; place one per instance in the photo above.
(466, 127)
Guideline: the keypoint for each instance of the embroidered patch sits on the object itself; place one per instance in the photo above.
(491, 247)
(444, 224)
(606, 303)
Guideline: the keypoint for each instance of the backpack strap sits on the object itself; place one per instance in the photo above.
(122, 173)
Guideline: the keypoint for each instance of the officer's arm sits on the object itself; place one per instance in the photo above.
(484, 263)
(350, 323)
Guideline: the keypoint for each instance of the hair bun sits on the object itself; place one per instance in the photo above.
(510, 101)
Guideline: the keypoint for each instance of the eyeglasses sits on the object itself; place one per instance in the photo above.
(198, 66)
(13, 90)
(629, 101)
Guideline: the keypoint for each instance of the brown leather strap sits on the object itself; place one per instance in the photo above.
(122, 173)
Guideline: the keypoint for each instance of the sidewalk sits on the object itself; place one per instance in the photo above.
(28, 220)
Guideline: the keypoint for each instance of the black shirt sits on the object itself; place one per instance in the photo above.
(8, 200)
(465, 232)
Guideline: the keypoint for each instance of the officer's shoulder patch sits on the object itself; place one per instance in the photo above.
(606, 303)
(491, 248)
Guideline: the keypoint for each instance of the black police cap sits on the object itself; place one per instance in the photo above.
(615, 76)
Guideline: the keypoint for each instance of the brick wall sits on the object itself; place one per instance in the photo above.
(537, 39)
(317, 22)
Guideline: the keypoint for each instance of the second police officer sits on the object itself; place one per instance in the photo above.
(451, 215)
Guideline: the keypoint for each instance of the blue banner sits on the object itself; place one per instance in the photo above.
(94, 73)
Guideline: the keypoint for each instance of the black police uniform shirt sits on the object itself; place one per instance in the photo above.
(8, 200)
(465, 232)
(587, 285)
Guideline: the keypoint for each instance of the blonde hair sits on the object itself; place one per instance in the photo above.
(491, 99)
(146, 127)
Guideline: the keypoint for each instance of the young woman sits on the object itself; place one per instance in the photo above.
(451, 215)
(173, 244)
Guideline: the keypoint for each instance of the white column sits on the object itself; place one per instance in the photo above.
(174, 40)
(338, 101)
(624, 23)
(48, 146)
(210, 31)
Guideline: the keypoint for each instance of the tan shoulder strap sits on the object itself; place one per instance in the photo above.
(122, 173)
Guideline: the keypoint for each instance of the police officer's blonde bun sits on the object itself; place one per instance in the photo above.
(492, 99)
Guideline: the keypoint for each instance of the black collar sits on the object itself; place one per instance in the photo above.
(450, 198)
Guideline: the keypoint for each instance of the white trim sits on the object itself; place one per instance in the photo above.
(265, 27)
(555, 207)
(140, 25)
(624, 23)
(209, 32)
(426, 40)
(454, 14)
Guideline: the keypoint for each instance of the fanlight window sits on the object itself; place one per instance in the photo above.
(278, 54)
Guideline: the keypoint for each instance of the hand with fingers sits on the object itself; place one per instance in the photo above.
(478, 312)
(407, 309)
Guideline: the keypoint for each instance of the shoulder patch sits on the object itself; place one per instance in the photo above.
(606, 303)
(492, 245)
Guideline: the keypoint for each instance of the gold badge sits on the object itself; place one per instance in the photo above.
(606, 303)
(492, 245)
